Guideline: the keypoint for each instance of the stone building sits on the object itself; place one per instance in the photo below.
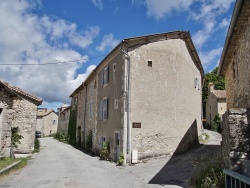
(63, 118)
(235, 66)
(216, 103)
(17, 109)
(47, 121)
(144, 97)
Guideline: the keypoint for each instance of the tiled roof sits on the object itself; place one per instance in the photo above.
(19, 92)
(44, 112)
(220, 94)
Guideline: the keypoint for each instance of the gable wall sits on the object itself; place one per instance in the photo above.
(163, 98)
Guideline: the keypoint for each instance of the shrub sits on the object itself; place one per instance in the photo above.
(216, 123)
(105, 150)
(121, 159)
(210, 173)
(60, 137)
(37, 146)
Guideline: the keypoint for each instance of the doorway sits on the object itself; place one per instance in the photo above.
(117, 146)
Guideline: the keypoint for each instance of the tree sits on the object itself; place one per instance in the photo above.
(216, 123)
(218, 81)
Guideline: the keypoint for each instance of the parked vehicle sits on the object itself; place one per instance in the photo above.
(38, 134)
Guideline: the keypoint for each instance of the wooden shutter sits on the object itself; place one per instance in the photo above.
(101, 110)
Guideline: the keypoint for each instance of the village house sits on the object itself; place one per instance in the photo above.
(17, 109)
(63, 118)
(144, 98)
(216, 103)
(47, 121)
(235, 66)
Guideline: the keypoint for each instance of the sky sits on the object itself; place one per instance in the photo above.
(48, 47)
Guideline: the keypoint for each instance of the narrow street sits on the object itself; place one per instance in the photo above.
(60, 165)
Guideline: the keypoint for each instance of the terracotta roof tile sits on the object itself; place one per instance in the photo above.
(220, 94)
(19, 91)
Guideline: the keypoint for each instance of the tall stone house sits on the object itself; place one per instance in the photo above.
(216, 103)
(47, 121)
(144, 97)
(63, 118)
(17, 109)
(235, 66)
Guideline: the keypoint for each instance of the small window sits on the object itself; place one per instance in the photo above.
(54, 122)
(104, 109)
(114, 67)
(197, 84)
(105, 76)
(150, 63)
(116, 104)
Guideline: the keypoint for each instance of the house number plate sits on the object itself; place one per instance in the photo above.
(136, 125)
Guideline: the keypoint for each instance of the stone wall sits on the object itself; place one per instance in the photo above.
(6, 116)
(24, 117)
(237, 73)
(50, 123)
(235, 138)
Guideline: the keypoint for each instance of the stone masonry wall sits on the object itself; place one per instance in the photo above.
(235, 138)
(237, 74)
(24, 117)
(5, 123)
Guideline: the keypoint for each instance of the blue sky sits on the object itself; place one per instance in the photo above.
(53, 31)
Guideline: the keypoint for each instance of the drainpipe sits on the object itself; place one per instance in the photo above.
(127, 92)
(85, 108)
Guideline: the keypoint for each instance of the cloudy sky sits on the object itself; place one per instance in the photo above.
(48, 47)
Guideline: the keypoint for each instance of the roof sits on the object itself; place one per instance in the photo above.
(15, 91)
(184, 35)
(44, 112)
(239, 19)
(220, 94)
(65, 109)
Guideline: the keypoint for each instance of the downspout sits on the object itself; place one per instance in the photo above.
(128, 105)
(85, 108)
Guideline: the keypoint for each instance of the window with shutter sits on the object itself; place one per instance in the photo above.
(105, 75)
(101, 111)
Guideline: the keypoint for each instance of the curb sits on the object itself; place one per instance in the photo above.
(9, 167)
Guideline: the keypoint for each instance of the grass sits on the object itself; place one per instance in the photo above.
(8, 161)
(209, 171)
(201, 138)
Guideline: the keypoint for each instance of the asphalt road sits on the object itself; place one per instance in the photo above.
(59, 165)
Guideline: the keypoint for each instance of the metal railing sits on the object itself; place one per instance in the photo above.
(236, 180)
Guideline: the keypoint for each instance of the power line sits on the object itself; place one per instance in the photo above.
(53, 63)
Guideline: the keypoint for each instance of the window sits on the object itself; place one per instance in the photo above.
(91, 89)
(105, 76)
(54, 122)
(150, 63)
(90, 110)
(75, 100)
(104, 109)
(114, 67)
(116, 104)
(197, 84)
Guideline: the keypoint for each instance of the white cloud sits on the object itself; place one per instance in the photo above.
(208, 57)
(26, 38)
(98, 4)
(108, 41)
(159, 9)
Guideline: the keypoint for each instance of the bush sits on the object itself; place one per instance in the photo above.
(60, 137)
(37, 146)
(216, 124)
(121, 159)
(210, 173)
(89, 141)
(105, 150)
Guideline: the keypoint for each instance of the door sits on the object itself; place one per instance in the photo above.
(117, 146)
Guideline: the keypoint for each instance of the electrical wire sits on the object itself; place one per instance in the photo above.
(53, 63)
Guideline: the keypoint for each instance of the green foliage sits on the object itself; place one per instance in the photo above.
(121, 159)
(89, 141)
(37, 146)
(15, 137)
(105, 150)
(72, 126)
(209, 172)
(216, 123)
(218, 81)
(6, 161)
(60, 136)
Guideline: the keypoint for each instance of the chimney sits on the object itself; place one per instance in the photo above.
(210, 87)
